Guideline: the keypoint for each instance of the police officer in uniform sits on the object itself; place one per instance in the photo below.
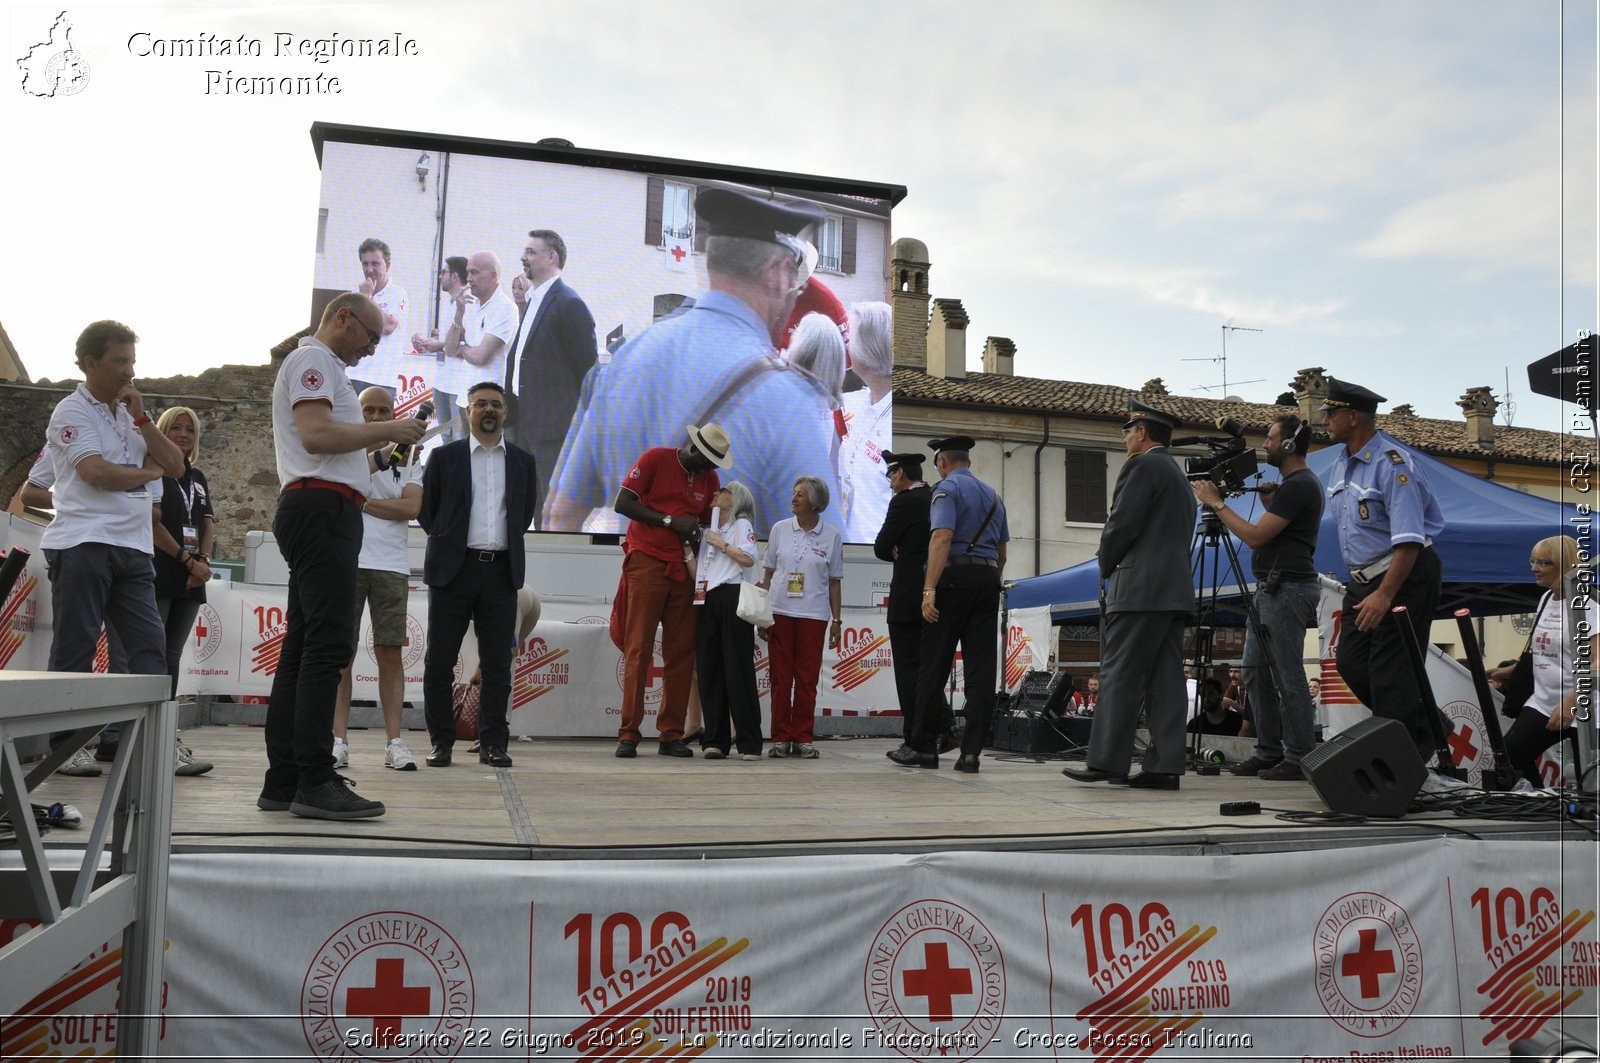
(960, 604)
(1387, 517)
(903, 540)
(1144, 557)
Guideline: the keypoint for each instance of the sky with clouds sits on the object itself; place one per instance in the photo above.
(1402, 192)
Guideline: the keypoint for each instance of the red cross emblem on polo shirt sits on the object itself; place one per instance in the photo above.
(387, 1001)
(1543, 640)
(1462, 751)
(1367, 963)
(677, 252)
(939, 982)
(68, 434)
(312, 380)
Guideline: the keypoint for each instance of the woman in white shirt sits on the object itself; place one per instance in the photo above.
(725, 644)
(1548, 715)
(807, 554)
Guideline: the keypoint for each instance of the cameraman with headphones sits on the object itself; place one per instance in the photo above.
(1282, 545)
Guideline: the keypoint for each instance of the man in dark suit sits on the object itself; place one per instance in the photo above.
(1144, 554)
(903, 540)
(478, 498)
(553, 350)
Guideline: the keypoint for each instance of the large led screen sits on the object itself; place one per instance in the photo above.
(602, 303)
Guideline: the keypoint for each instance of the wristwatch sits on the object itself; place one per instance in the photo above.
(666, 521)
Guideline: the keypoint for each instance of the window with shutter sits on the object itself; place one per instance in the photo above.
(1086, 486)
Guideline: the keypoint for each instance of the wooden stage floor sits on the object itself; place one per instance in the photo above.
(571, 799)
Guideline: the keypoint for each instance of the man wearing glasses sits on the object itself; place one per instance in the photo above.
(1387, 517)
(714, 362)
(321, 442)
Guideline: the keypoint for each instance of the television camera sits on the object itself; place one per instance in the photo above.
(1228, 462)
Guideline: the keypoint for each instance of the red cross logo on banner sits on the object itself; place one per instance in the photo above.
(1462, 751)
(939, 982)
(677, 252)
(312, 380)
(200, 631)
(387, 1001)
(1367, 963)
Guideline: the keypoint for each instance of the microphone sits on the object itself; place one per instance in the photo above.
(398, 454)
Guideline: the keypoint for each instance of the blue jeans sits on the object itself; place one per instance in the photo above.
(94, 585)
(1285, 720)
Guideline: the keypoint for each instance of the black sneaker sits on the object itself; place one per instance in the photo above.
(273, 799)
(334, 800)
(627, 750)
(1282, 771)
(1253, 766)
(105, 752)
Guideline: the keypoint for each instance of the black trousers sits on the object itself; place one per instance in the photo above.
(1374, 663)
(905, 647)
(724, 649)
(1526, 738)
(481, 594)
(319, 535)
(968, 600)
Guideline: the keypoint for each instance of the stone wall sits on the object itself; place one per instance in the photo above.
(235, 407)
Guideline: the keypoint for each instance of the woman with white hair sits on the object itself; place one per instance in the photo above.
(868, 423)
(1558, 657)
(725, 644)
(807, 554)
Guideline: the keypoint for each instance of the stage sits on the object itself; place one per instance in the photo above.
(571, 799)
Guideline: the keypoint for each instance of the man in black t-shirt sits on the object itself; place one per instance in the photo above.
(1217, 716)
(1283, 543)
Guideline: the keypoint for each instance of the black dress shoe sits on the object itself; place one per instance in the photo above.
(949, 740)
(627, 750)
(1087, 774)
(967, 762)
(911, 758)
(438, 757)
(1153, 780)
(494, 756)
(678, 748)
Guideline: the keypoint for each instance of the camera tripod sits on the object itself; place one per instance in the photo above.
(1214, 544)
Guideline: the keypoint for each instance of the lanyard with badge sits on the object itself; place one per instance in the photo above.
(700, 575)
(191, 534)
(797, 578)
(143, 490)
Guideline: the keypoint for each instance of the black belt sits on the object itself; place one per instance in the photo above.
(488, 555)
(969, 559)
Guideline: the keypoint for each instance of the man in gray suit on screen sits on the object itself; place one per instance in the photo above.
(1144, 556)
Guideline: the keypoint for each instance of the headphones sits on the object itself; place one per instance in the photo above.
(1299, 437)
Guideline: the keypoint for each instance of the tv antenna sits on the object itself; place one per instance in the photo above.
(1508, 408)
(1228, 327)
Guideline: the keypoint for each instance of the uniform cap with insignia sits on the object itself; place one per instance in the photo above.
(728, 213)
(939, 446)
(1343, 395)
(1139, 413)
(911, 459)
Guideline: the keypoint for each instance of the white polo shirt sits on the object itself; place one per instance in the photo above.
(393, 358)
(716, 567)
(383, 542)
(801, 564)
(450, 374)
(80, 427)
(495, 316)
(869, 432)
(311, 373)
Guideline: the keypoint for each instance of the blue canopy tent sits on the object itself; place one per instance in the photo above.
(1488, 532)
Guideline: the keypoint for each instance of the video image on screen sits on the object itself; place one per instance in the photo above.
(616, 308)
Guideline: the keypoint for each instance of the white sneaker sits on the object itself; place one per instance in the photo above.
(341, 753)
(80, 763)
(806, 751)
(778, 750)
(186, 764)
(398, 757)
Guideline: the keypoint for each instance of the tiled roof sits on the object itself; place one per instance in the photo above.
(1106, 401)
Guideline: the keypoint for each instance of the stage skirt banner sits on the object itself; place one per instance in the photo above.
(1427, 949)
(1453, 689)
(566, 679)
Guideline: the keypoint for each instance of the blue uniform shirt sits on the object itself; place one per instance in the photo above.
(668, 377)
(960, 502)
(1380, 499)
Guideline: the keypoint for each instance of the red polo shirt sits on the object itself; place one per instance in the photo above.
(661, 484)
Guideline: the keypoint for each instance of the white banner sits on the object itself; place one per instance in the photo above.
(1413, 950)
(1453, 689)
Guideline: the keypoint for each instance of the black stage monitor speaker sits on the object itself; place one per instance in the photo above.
(1044, 693)
(1371, 769)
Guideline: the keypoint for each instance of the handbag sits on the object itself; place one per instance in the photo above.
(755, 605)
(1517, 688)
(465, 706)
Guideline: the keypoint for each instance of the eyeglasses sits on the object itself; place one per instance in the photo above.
(375, 337)
(889, 473)
(1539, 562)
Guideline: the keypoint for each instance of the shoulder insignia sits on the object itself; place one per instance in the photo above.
(1395, 458)
(940, 494)
(1401, 478)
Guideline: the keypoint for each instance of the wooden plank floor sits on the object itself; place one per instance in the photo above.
(571, 797)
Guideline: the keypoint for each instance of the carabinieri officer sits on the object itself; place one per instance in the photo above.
(1387, 517)
(960, 604)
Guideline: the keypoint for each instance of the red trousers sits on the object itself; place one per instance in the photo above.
(656, 601)
(794, 645)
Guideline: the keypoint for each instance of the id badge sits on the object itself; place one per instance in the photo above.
(142, 491)
(700, 591)
(191, 538)
(797, 584)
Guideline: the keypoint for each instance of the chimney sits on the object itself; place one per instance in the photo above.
(1405, 409)
(1154, 386)
(947, 340)
(1311, 391)
(909, 268)
(999, 356)
(1480, 405)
